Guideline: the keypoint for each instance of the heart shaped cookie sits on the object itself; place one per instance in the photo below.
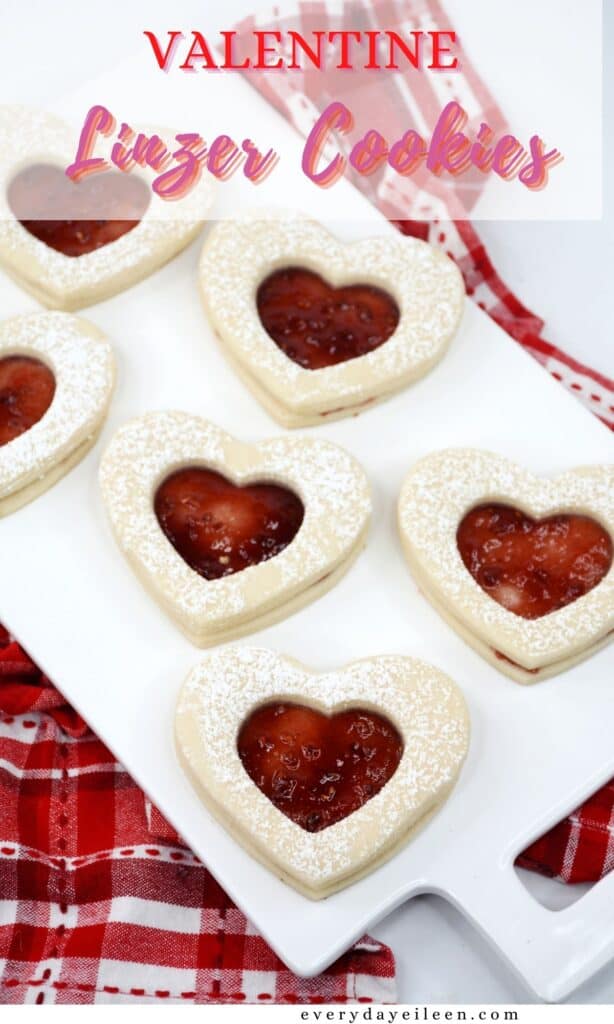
(520, 567)
(230, 537)
(73, 245)
(319, 329)
(56, 379)
(390, 734)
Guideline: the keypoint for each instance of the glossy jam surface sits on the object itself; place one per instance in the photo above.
(219, 528)
(27, 388)
(533, 566)
(317, 769)
(76, 218)
(316, 325)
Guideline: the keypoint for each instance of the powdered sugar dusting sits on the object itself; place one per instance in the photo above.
(28, 137)
(437, 493)
(425, 283)
(424, 704)
(331, 485)
(83, 365)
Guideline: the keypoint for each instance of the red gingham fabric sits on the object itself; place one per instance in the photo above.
(100, 901)
(580, 848)
(394, 102)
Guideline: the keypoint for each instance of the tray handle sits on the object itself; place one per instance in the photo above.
(552, 951)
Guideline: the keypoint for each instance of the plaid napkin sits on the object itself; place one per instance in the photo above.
(580, 848)
(100, 900)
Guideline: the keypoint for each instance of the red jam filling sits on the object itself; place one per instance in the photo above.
(219, 528)
(533, 566)
(27, 388)
(316, 769)
(95, 211)
(316, 325)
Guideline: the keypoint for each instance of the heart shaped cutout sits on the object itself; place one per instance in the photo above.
(316, 325)
(533, 566)
(56, 380)
(521, 567)
(319, 329)
(292, 562)
(93, 212)
(219, 528)
(316, 768)
(411, 714)
(27, 387)
(73, 245)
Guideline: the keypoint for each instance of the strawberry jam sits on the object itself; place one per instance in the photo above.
(27, 388)
(317, 769)
(219, 528)
(316, 325)
(533, 566)
(75, 219)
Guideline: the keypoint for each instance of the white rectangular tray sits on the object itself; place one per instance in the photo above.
(536, 751)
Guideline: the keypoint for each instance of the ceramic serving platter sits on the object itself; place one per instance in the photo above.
(74, 603)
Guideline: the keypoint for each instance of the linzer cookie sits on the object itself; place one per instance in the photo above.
(321, 777)
(56, 380)
(73, 244)
(520, 567)
(319, 329)
(231, 537)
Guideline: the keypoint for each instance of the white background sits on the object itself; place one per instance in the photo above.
(561, 270)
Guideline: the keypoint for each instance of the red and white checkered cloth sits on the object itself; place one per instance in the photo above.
(581, 847)
(99, 899)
